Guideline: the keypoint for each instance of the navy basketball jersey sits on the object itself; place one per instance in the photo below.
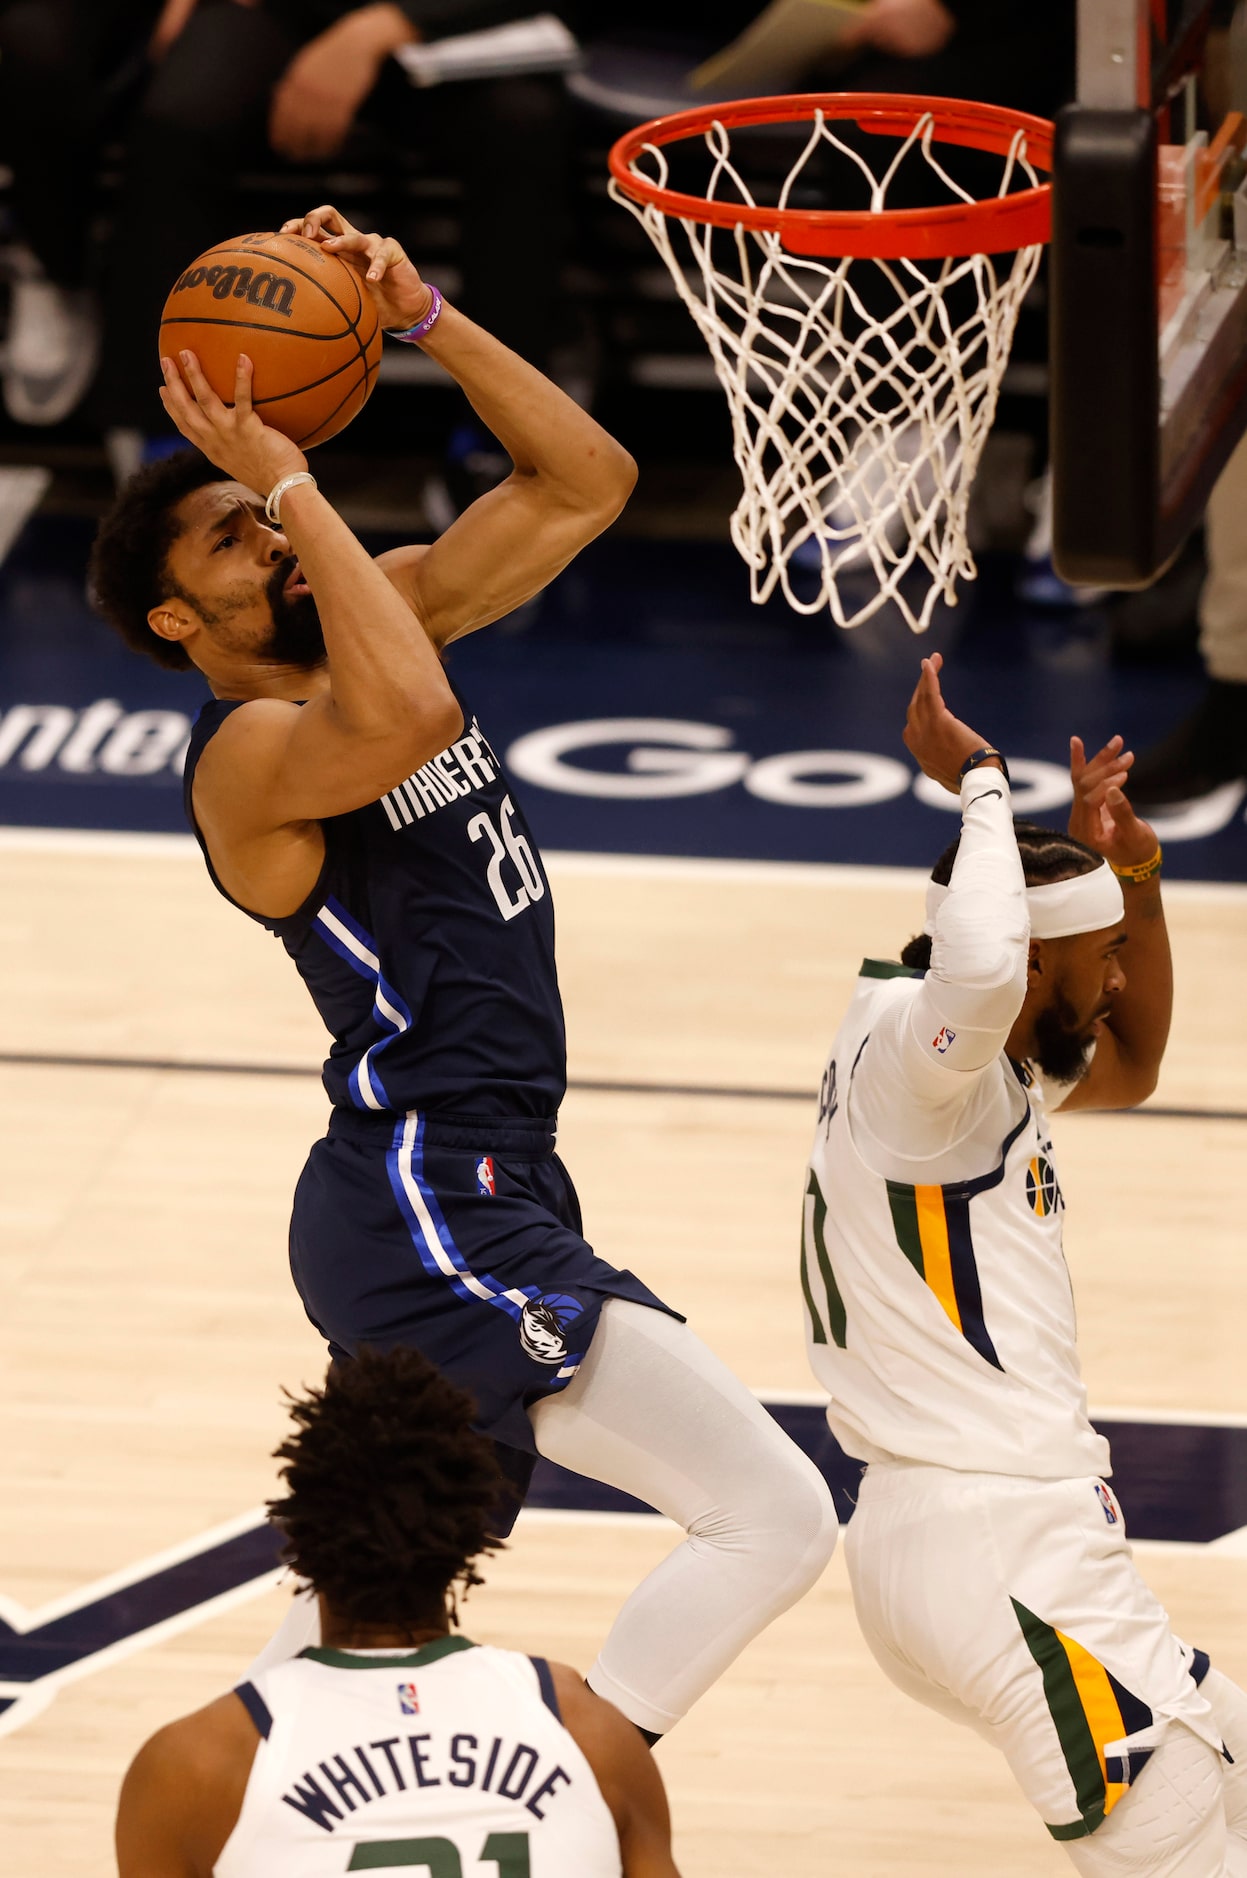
(427, 943)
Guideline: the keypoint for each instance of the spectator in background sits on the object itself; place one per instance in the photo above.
(1209, 747)
(1009, 52)
(65, 66)
(296, 79)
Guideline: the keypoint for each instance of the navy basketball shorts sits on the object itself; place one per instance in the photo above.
(459, 1237)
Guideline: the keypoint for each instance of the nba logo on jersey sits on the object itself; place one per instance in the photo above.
(945, 1037)
(485, 1174)
(408, 1700)
(1108, 1503)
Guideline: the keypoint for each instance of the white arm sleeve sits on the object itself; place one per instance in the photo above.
(973, 992)
(916, 1091)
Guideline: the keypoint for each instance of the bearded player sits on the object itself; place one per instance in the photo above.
(345, 797)
(987, 1556)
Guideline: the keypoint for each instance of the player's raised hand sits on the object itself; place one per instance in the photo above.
(317, 97)
(938, 741)
(905, 29)
(230, 435)
(1101, 815)
(395, 288)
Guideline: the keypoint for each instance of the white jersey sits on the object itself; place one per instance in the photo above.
(939, 1315)
(451, 1757)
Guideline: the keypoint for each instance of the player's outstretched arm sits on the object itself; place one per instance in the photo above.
(388, 706)
(977, 982)
(182, 1795)
(570, 479)
(1126, 1064)
(624, 1768)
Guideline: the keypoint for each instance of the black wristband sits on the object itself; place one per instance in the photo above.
(981, 756)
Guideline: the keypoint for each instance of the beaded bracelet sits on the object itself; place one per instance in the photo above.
(422, 328)
(1141, 870)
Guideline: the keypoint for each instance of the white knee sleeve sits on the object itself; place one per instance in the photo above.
(1229, 1704)
(1171, 1824)
(655, 1413)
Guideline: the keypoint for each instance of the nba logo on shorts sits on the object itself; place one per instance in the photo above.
(945, 1037)
(485, 1174)
(408, 1700)
(1108, 1503)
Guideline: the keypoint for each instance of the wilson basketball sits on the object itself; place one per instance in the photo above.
(302, 317)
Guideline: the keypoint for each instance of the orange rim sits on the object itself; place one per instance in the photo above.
(993, 226)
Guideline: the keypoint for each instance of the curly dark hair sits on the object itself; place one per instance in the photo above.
(1047, 855)
(391, 1492)
(127, 575)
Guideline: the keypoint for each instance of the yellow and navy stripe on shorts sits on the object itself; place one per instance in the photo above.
(1089, 1710)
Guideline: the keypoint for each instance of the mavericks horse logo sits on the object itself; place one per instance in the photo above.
(544, 1322)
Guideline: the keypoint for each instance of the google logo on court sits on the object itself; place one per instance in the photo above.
(656, 758)
(667, 756)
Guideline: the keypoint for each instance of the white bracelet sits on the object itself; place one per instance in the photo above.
(272, 508)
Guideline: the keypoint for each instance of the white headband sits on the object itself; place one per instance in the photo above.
(1084, 903)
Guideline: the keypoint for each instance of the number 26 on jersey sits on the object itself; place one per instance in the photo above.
(507, 843)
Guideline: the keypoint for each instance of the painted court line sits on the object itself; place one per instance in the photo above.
(52, 1059)
(851, 877)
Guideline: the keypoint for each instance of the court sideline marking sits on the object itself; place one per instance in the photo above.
(15, 840)
(51, 1059)
(107, 1619)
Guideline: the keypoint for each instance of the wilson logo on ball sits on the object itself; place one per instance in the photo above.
(274, 292)
(302, 316)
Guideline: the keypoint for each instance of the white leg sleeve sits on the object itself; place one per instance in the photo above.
(1229, 1705)
(298, 1630)
(654, 1412)
(1171, 1824)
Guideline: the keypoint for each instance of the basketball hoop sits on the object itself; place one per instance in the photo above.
(861, 349)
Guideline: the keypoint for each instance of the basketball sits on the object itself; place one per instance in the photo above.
(301, 316)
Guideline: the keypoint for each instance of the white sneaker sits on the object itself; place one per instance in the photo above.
(53, 348)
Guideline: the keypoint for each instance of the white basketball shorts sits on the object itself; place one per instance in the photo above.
(1014, 1605)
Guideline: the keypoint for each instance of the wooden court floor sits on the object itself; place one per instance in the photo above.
(147, 1318)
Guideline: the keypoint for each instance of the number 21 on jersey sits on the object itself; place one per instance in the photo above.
(506, 842)
(508, 1851)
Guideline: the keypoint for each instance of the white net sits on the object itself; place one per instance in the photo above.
(861, 391)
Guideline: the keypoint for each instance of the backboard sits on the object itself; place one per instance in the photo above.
(1148, 283)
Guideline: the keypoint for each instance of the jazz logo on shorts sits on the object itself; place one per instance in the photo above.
(944, 1038)
(485, 1175)
(408, 1700)
(1108, 1503)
